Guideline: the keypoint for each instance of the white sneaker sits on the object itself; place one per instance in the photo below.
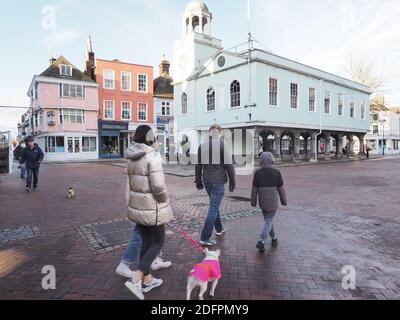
(124, 271)
(135, 288)
(154, 284)
(159, 263)
(220, 233)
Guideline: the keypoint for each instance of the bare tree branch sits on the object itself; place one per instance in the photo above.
(368, 71)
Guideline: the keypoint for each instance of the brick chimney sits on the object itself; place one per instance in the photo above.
(90, 60)
(164, 67)
(52, 61)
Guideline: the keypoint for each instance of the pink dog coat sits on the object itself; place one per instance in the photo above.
(206, 270)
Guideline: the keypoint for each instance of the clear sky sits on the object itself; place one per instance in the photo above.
(320, 33)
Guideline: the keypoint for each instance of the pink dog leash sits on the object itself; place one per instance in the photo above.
(190, 238)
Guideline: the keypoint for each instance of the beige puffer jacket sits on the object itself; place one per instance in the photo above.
(148, 195)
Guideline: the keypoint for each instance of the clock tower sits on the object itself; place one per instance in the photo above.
(196, 46)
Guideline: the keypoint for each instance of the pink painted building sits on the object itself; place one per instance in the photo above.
(63, 114)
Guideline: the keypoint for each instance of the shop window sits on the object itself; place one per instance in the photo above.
(110, 146)
(54, 144)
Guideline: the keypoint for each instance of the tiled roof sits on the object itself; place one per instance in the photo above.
(54, 71)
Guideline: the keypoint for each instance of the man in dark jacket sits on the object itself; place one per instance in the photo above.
(215, 166)
(32, 156)
(267, 189)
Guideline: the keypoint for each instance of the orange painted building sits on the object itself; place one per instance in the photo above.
(125, 101)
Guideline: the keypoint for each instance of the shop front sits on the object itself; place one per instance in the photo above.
(113, 139)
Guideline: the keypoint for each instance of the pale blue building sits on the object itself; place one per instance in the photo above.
(292, 109)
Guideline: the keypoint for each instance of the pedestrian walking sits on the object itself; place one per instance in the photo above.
(148, 206)
(367, 151)
(215, 166)
(32, 155)
(18, 155)
(268, 189)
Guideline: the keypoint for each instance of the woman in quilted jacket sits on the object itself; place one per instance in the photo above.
(149, 206)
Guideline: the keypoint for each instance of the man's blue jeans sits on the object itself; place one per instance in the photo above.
(216, 193)
(23, 172)
(32, 174)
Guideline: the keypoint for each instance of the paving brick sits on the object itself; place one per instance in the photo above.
(338, 228)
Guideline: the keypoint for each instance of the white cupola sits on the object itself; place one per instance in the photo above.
(197, 18)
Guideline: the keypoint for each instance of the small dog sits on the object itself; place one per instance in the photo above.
(209, 270)
(71, 193)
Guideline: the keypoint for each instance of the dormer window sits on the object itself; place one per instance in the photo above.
(66, 70)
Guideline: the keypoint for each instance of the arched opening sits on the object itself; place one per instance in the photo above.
(323, 144)
(196, 24)
(335, 144)
(305, 144)
(204, 24)
(267, 141)
(287, 144)
(347, 145)
(356, 145)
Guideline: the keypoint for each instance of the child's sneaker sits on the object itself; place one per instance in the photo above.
(274, 242)
(154, 284)
(260, 246)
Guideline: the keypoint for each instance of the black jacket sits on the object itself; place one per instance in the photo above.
(212, 170)
(18, 152)
(32, 157)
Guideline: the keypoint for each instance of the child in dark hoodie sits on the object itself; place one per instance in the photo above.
(268, 189)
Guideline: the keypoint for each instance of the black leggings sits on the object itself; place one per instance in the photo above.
(153, 239)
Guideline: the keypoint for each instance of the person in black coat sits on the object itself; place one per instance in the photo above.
(32, 155)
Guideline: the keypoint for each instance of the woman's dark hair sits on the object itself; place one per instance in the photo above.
(144, 134)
